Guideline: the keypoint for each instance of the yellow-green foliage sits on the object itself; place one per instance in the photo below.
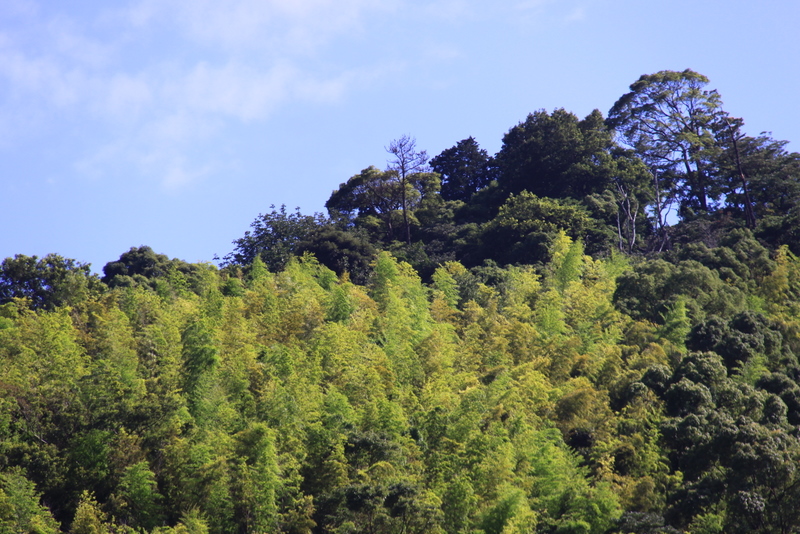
(300, 402)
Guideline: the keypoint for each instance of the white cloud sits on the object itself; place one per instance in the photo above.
(279, 26)
(158, 150)
(20, 7)
(542, 13)
(450, 10)
(121, 97)
(172, 130)
(71, 43)
(138, 75)
(577, 14)
(69, 65)
(528, 5)
(178, 174)
(137, 15)
(37, 77)
(235, 90)
(442, 51)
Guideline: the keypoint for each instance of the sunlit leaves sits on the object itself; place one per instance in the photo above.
(20, 509)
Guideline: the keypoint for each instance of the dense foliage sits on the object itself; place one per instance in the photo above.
(510, 344)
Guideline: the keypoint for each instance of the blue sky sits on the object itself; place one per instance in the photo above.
(174, 123)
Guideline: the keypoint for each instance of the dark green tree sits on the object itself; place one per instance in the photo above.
(341, 250)
(465, 168)
(774, 174)
(773, 179)
(649, 289)
(370, 199)
(526, 226)
(732, 170)
(731, 442)
(275, 238)
(624, 203)
(47, 283)
(672, 121)
(410, 165)
(383, 202)
(555, 155)
(143, 267)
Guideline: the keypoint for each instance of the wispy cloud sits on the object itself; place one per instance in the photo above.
(577, 14)
(233, 90)
(450, 10)
(167, 148)
(139, 73)
(20, 7)
(124, 96)
(178, 174)
(531, 5)
(69, 41)
(284, 27)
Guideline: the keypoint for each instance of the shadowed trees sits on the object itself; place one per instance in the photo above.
(46, 283)
(465, 168)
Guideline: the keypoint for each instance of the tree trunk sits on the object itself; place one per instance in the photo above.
(749, 214)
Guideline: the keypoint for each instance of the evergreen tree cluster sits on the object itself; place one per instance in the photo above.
(596, 330)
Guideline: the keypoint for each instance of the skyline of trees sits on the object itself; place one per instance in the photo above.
(470, 344)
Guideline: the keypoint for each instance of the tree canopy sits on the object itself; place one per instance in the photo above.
(526, 343)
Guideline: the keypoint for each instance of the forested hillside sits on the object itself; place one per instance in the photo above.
(595, 330)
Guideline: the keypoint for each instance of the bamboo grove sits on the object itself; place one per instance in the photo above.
(497, 352)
